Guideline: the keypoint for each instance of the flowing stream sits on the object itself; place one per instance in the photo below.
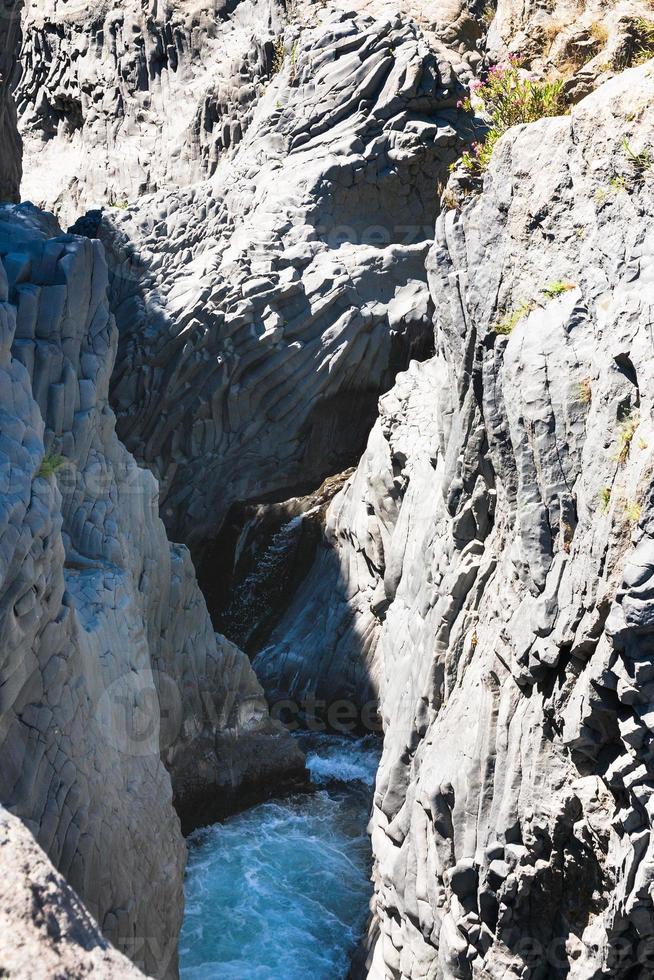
(281, 891)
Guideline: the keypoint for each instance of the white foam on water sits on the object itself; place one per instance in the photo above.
(281, 891)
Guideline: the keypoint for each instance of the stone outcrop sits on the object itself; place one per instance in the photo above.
(267, 260)
(109, 659)
(488, 568)
(10, 142)
(115, 102)
(583, 42)
(45, 931)
(262, 312)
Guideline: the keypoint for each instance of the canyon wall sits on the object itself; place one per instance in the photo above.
(267, 268)
(45, 931)
(109, 658)
(261, 198)
(11, 155)
(492, 557)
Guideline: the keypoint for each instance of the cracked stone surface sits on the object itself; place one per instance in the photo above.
(45, 931)
(268, 270)
(109, 660)
(488, 568)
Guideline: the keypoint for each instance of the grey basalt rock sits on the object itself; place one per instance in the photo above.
(298, 336)
(261, 312)
(492, 557)
(109, 661)
(45, 931)
(10, 142)
(115, 101)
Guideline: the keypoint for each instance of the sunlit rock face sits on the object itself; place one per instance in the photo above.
(488, 567)
(44, 928)
(109, 660)
(261, 312)
(274, 193)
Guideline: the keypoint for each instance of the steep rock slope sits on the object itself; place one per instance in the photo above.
(262, 312)
(45, 931)
(108, 655)
(10, 155)
(491, 559)
(584, 42)
(117, 101)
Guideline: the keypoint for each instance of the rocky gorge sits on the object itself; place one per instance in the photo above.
(394, 417)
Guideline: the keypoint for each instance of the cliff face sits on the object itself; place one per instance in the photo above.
(488, 566)
(45, 931)
(10, 156)
(267, 251)
(108, 654)
(485, 571)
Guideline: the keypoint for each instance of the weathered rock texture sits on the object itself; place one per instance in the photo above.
(115, 102)
(276, 195)
(10, 142)
(262, 312)
(45, 931)
(108, 654)
(584, 42)
(489, 567)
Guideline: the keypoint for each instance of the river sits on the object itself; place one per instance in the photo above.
(281, 891)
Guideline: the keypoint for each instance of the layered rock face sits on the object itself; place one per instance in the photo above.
(490, 564)
(45, 931)
(109, 659)
(261, 313)
(117, 102)
(10, 157)
(263, 309)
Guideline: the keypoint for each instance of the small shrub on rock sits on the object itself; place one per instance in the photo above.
(507, 98)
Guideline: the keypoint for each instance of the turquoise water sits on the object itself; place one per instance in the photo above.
(281, 891)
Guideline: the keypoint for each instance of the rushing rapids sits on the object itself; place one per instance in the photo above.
(282, 890)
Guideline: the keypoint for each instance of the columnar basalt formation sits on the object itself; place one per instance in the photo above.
(115, 102)
(10, 154)
(264, 190)
(492, 556)
(262, 312)
(45, 931)
(108, 654)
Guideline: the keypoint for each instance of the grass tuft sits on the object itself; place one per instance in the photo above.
(511, 319)
(557, 288)
(625, 437)
(50, 463)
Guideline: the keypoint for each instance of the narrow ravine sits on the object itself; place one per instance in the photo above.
(282, 890)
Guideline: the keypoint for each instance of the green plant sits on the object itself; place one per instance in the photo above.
(508, 99)
(625, 436)
(604, 498)
(632, 511)
(585, 392)
(556, 288)
(618, 184)
(50, 463)
(641, 162)
(511, 319)
(279, 55)
(643, 42)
